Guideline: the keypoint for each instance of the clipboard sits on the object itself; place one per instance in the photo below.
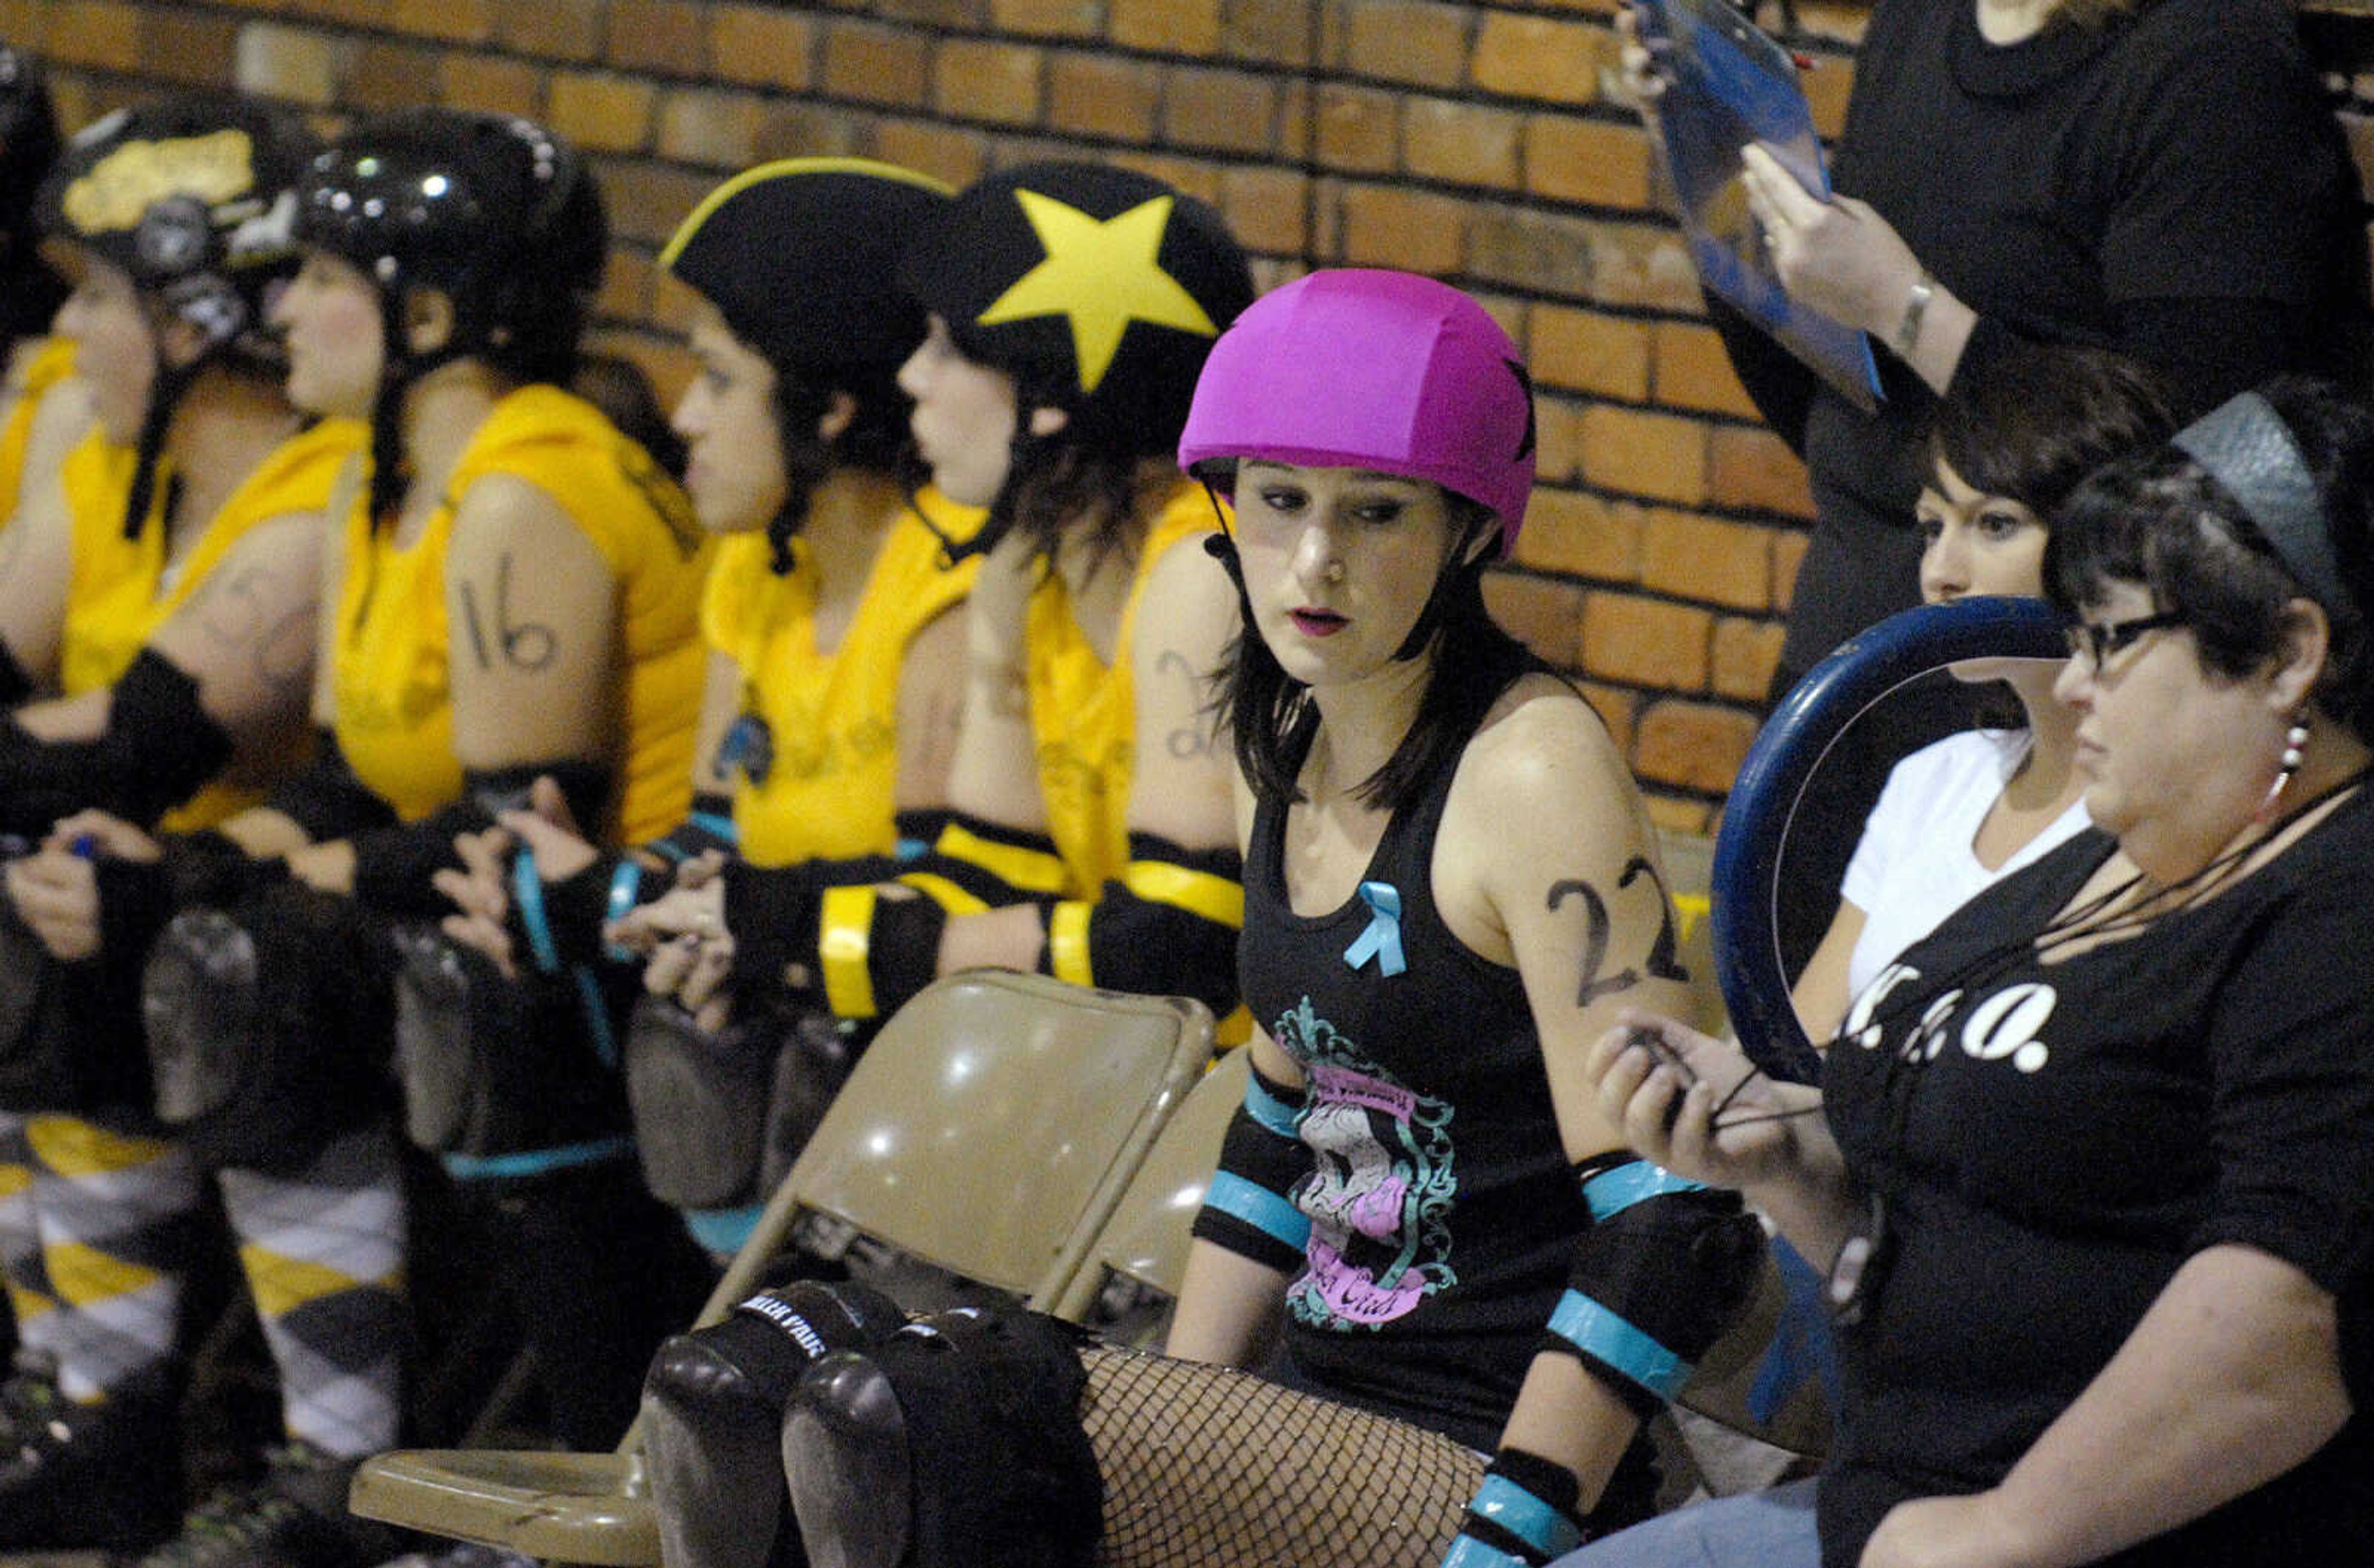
(1732, 85)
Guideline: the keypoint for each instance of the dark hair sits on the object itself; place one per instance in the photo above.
(2036, 419)
(2159, 520)
(1272, 718)
(617, 386)
(875, 439)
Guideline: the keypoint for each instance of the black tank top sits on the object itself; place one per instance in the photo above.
(1444, 1214)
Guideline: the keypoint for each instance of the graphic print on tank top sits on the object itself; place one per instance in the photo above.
(1381, 1198)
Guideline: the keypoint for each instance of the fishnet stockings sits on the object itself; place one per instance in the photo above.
(1209, 1468)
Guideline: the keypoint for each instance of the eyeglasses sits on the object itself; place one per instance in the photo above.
(2097, 643)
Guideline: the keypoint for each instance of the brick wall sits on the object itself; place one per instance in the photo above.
(1474, 142)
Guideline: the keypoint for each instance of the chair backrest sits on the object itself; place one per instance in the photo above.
(1688, 862)
(990, 1129)
(1147, 1238)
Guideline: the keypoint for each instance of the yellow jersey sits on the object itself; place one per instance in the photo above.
(51, 363)
(392, 696)
(821, 782)
(119, 590)
(1084, 713)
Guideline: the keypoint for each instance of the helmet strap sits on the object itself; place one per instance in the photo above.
(165, 393)
(807, 462)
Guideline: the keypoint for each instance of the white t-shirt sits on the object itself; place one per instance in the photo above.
(1914, 865)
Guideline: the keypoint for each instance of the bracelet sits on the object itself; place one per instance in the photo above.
(1915, 305)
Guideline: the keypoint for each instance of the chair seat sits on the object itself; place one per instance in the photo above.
(559, 1507)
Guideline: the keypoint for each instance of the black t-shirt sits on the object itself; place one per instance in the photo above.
(2181, 154)
(2051, 1141)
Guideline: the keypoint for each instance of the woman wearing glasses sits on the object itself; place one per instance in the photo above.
(2009, 447)
(2094, 1155)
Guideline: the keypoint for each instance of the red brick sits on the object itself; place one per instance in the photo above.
(798, 129)
(1708, 559)
(947, 152)
(1393, 226)
(1675, 813)
(1577, 534)
(551, 30)
(1539, 611)
(290, 64)
(940, 16)
(648, 199)
(491, 84)
(1569, 159)
(1359, 129)
(1097, 95)
(1538, 57)
(660, 36)
(1192, 176)
(997, 82)
(1267, 209)
(1223, 110)
(455, 21)
(1465, 143)
(1615, 707)
(1645, 642)
(626, 285)
(1834, 21)
(91, 32)
(27, 23)
(601, 113)
(1744, 655)
(1545, 252)
(183, 48)
(1693, 745)
(1062, 18)
(1643, 266)
(761, 46)
(1584, 351)
(1694, 371)
(1787, 554)
(1655, 455)
(875, 65)
(388, 74)
(1828, 87)
(1170, 26)
(1751, 467)
(1559, 427)
(1274, 32)
(719, 129)
(1411, 41)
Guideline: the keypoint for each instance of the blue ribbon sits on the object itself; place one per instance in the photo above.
(1382, 940)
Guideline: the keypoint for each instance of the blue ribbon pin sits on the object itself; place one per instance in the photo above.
(1382, 940)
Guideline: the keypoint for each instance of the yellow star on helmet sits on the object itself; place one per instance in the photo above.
(1102, 273)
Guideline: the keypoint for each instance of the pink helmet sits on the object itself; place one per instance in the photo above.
(1368, 368)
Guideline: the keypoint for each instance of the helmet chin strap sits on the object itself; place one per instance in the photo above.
(401, 368)
(1455, 574)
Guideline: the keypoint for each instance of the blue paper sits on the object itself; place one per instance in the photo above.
(1730, 85)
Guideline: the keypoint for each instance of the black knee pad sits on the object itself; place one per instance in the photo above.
(492, 1065)
(956, 1443)
(713, 1413)
(720, 1117)
(268, 1025)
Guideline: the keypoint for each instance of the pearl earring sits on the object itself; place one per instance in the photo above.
(2295, 753)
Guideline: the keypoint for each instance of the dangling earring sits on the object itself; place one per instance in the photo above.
(2295, 753)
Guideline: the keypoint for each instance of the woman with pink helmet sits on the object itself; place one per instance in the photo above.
(1451, 889)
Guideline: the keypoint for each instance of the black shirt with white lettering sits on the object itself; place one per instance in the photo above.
(2049, 1142)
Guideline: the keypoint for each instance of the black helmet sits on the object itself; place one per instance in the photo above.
(801, 259)
(495, 212)
(196, 199)
(29, 144)
(1099, 289)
